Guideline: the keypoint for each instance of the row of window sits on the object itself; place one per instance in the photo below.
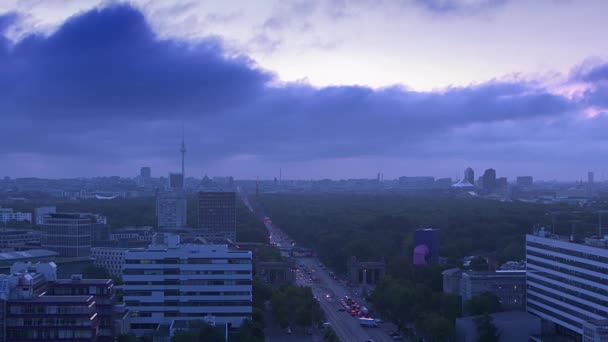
(176, 271)
(568, 271)
(582, 265)
(188, 293)
(571, 252)
(555, 285)
(569, 301)
(50, 310)
(195, 261)
(44, 334)
(552, 313)
(167, 282)
(167, 303)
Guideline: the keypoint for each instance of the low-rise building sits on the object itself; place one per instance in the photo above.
(451, 281)
(7, 215)
(110, 258)
(35, 305)
(508, 286)
(595, 330)
(103, 292)
(18, 239)
(8, 259)
(143, 234)
(511, 325)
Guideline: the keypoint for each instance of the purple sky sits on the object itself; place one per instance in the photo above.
(332, 88)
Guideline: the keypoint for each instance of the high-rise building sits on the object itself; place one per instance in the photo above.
(145, 172)
(171, 281)
(217, 215)
(501, 183)
(68, 234)
(524, 181)
(171, 209)
(590, 177)
(176, 181)
(489, 180)
(469, 175)
(566, 281)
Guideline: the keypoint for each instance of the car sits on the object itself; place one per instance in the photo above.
(288, 330)
(379, 320)
(328, 296)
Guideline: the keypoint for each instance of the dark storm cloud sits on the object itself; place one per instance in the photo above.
(105, 84)
(109, 62)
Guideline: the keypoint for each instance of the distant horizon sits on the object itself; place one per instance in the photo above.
(509, 179)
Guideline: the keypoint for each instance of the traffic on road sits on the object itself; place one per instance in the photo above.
(346, 313)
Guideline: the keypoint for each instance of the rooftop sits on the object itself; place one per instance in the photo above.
(593, 241)
(32, 253)
(84, 281)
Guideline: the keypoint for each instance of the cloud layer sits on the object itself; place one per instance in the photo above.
(104, 88)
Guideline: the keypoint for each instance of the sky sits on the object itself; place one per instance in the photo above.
(317, 88)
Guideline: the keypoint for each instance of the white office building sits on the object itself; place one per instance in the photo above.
(110, 258)
(7, 214)
(171, 281)
(567, 282)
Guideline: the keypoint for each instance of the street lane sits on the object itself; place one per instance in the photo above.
(346, 327)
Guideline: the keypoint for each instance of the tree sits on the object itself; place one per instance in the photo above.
(479, 264)
(199, 331)
(485, 303)
(95, 272)
(251, 331)
(435, 327)
(127, 338)
(486, 330)
(330, 335)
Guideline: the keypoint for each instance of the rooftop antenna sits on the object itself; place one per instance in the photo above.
(182, 150)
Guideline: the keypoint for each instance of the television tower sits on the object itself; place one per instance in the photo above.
(183, 152)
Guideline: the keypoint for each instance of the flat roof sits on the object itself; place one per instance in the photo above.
(31, 253)
(84, 281)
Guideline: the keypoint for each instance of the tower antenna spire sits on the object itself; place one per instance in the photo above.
(183, 152)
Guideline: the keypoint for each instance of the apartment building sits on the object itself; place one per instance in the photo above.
(35, 305)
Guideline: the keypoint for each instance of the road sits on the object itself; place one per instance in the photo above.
(329, 290)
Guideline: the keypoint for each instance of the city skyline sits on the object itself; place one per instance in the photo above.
(119, 80)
